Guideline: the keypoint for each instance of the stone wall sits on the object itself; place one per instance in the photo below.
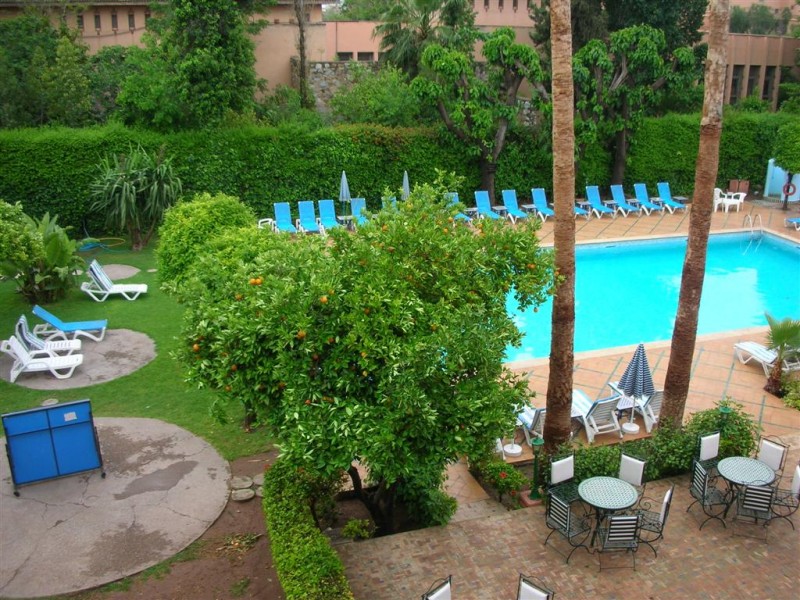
(325, 78)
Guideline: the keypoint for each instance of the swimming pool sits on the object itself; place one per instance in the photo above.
(627, 292)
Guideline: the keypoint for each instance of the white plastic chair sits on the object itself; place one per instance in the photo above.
(440, 590)
(530, 588)
(602, 418)
(650, 409)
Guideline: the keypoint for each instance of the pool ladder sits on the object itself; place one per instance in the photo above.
(752, 223)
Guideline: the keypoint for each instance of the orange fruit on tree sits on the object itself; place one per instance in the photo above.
(234, 367)
(259, 281)
(196, 348)
(323, 299)
(252, 281)
(301, 335)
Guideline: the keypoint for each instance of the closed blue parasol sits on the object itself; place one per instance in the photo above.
(344, 190)
(406, 186)
(637, 381)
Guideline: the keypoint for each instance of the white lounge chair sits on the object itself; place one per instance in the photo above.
(32, 342)
(101, 286)
(747, 351)
(61, 367)
(650, 409)
(600, 416)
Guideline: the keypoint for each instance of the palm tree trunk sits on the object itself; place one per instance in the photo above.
(488, 168)
(562, 355)
(684, 335)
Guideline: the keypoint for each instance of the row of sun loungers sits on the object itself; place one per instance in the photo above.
(309, 222)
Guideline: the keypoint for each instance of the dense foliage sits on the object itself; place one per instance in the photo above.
(307, 566)
(37, 254)
(190, 226)
(384, 346)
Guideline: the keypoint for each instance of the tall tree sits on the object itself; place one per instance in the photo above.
(588, 20)
(620, 79)
(410, 26)
(478, 107)
(562, 343)
(67, 89)
(306, 99)
(684, 334)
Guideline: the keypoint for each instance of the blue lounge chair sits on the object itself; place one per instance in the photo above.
(484, 206)
(643, 198)
(307, 223)
(358, 206)
(327, 215)
(54, 328)
(512, 207)
(283, 218)
(622, 204)
(540, 204)
(389, 203)
(580, 212)
(598, 208)
(666, 198)
(460, 216)
(793, 222)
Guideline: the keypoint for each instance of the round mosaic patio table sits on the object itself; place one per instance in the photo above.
(742, 470)
(606, 494)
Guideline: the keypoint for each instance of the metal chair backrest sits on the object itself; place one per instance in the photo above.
(699, 482)
(758, 498)
(558, 512)
(623, 530)
(709, 446)
(772, 453)
(662, 516)
(440, 590)
(562, 470)
(531, 588)
(631, 470)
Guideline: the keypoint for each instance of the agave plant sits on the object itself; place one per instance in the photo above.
(134, 190)
(784, 338)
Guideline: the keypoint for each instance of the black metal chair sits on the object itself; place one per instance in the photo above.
(706, 494)
(620, 534)
(787, 500)
(439, 590)
(755, 503)
(561, 519)
(562, 482)
(532, 588)
(654, 522)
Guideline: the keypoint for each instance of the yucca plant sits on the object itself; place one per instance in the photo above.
(134, 190)
(783, 337)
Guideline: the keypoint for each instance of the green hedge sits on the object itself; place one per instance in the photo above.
(50, 170)
(665, 149)
(307, 566)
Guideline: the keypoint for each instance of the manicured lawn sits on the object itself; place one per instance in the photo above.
(157, 390)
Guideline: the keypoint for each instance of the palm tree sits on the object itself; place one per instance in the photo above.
(409, 26)
(562, 343)
(684, 335)
(784, 338)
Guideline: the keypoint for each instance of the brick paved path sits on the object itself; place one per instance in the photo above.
(486, 555)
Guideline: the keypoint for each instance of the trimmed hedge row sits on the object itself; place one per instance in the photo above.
(307, 566)
(50, 170)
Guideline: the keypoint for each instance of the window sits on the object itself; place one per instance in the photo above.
(500, 4)
(80, 21)
(146, 17)
(365, 56)
(485, 4)
(344, 56)
(97, 21)
(515, 5)
(752, 79)
(769, 83)
(736, 83)
(114, 22)
(131, 21)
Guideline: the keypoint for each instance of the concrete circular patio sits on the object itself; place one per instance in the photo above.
(163, 488)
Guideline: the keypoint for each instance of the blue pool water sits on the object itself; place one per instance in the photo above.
(627, 292)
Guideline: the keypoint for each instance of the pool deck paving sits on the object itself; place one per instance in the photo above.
(485, 546)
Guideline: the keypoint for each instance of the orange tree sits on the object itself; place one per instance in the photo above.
(383, 346)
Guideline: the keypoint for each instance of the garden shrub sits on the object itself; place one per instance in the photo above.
(307, 566)
(501, 476)
(738, 430)
(190, 226)
(792, 397)
(37, 254)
